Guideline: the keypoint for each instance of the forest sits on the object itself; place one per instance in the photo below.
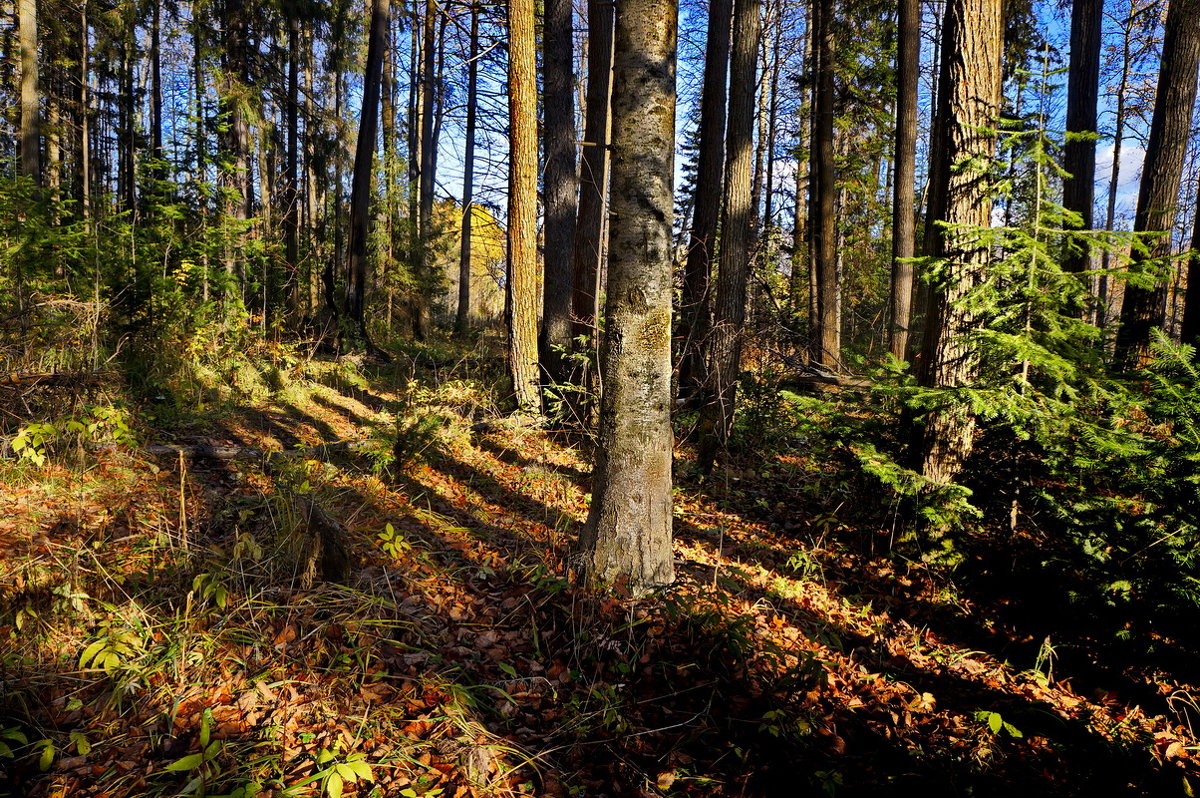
(465, 398)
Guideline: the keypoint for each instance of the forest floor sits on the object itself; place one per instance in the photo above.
(165, 628)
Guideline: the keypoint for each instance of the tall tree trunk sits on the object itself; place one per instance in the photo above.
(156, 93)
(429, 92)
(904, 232)
(1144, 308)
(972, 46)
(822, 206)
(769, 226)
(30, 123)
(522, 206)
(364, 158)
(85, 117)
(1103, 310)
(1083, 87)
(627, 539)
(560, 184)
(737, 223)
(462, 318)
(706, 213)
(291, 214)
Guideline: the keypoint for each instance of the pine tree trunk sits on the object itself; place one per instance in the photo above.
(1104, 312)
(429, 92)
(1158, 196)
(626, 542)
(30, 123)
(156, 93)
(1083, 87)
(904, 233)
(522, 207)
(706, 210)
(823, 182)
(462, 318)
(737, 231)
(291, 213)
(971, 49)
(560, 186)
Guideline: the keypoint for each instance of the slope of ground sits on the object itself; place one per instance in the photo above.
(169, 626)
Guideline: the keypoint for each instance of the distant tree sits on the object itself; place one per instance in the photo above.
(522, 207)
(364, 158)
(729, 313)
(706, 213)
(1170, 129)
(627, 538)
(558, 131)
(969, 107)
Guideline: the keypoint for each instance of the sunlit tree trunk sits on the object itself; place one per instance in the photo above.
(904, 233)
(626, 542)
(30, 123)
(522, 207)
(971, 48)
(827, 350)
(1145, 308)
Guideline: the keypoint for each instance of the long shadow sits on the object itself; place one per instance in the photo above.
(515, 458)
(347, 413)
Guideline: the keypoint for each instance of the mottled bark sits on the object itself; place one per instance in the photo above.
(560, 183)
(627, 540)
(522, 207)
(904, 232)
(1145, 308)
(706, 210)
(737, 234)
(971, 50)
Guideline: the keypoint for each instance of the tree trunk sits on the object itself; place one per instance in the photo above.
(560, 184)
(462, 318)
(291, 214)
(1190, 329)
(1103, 310)
(522, 206)
(904, 232)
(156, 93)
(1083, 86)
(1158, 196)
(30, 124)
(971, 49)
(706, 213)
(823, 188)
(626, 542)
(737, 223)
(364, 158)
(429, 92)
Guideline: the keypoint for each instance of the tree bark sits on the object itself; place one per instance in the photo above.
(462, 318)
(560, 184)
(364, 158)
(593, 187)
(823, 188)
(627, 539)
(1190, 328)
(971, 52)
(429, 92)
(737, 232)
(522, 207)
(1144, 308)
(1079, 157)
(30, 123)
(904, 232)
(706, 212)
